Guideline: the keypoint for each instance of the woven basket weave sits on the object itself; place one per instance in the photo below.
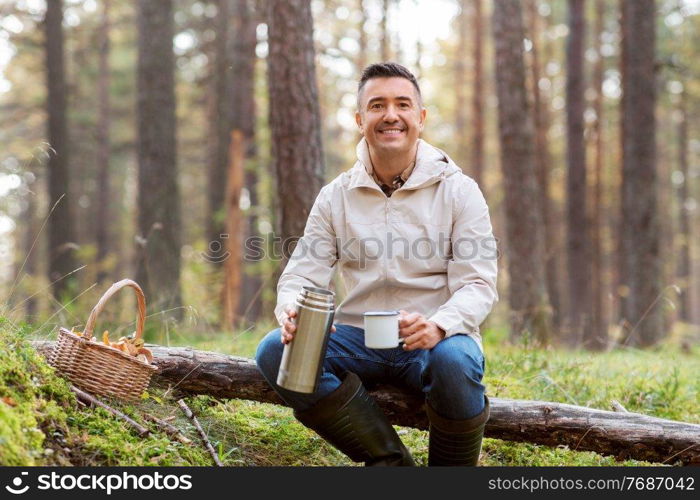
(97, 368)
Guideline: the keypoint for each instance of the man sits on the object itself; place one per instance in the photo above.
(409, 231)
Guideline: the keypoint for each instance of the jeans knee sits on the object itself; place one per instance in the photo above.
(269, 354)
(452, 362)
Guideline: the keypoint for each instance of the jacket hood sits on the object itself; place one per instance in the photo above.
(432, 165)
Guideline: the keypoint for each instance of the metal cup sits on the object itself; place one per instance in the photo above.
(302, 358)
(382, 329)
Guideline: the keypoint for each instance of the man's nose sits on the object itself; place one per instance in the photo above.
(391, 114)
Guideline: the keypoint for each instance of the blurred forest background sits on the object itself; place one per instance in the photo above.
(182, 143)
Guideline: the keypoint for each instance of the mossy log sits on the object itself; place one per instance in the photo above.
(623, 435)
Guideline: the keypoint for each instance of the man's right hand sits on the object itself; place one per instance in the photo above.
(288, 326)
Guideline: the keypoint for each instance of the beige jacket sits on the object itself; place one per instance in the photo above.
(428, 248)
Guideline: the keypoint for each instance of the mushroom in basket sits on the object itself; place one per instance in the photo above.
(128, 345)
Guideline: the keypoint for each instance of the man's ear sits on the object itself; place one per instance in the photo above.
(358, 120)
(423, 113)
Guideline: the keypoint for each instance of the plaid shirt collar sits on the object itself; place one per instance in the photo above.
(396, 182)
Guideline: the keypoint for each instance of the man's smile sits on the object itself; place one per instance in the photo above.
(391, 131)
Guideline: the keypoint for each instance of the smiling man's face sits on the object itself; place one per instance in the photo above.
(391, 116)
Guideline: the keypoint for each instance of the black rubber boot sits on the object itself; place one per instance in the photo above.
(456, 442)
(350, 420)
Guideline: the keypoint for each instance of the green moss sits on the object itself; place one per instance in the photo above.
(31, 399)
(41, 422)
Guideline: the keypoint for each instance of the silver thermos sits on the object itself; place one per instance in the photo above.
(302, 359)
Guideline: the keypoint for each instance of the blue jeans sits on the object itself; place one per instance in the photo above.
(449, 374)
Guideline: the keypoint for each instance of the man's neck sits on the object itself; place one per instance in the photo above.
(387, 167)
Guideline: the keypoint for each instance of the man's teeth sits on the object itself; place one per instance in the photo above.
(391, 131)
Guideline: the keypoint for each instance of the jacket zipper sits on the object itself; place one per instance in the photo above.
(386, 260)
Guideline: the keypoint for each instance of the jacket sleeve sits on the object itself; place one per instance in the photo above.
(313, 261)
(472, 270)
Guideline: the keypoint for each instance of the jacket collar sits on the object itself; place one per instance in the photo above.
(432, 165)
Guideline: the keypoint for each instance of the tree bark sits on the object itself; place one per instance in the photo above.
(362, 41)
(599, 283)
(683, 272)
(624, 435)
(640, 273)
(234, 225)
(244, 118)
(294, 114)
(103, 223)
(418, 65)
(478, 106)
(220, 125)
(460, 79)
(158, 198)
(578, 255)
(30, 246)
(528, 296)
(548, 208)
(61, 225)
(385, 39)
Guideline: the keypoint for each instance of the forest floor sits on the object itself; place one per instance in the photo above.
(41, 422)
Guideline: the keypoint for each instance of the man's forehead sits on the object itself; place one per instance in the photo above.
(388, 88)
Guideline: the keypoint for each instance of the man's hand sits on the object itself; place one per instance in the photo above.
(418, 332)
(288, 326)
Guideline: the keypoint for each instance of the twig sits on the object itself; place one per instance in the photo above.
(678, 453)
(191, 416)
(88, 399)
(171, 430)
(617, 406)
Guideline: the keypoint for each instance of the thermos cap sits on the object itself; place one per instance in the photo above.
(317, 293)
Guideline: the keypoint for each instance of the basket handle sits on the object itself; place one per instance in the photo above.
(140, 302)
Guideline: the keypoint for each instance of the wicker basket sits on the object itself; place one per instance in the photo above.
(97, 368)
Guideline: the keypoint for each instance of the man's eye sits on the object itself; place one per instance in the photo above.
(404, 105)
(375, 106)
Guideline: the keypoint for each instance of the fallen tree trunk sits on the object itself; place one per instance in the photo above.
(623, 435)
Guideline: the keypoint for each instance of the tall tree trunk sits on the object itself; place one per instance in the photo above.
(418, 65)
(294, 113)
(553, 253)
(397, 46)
(479, 134)
(220, 134)
(684, 252)
(385, 38)
(664, 201)
(158, 197)
(640, 246)
(578, 256)
(460, 86)
(244, 117)
(528, 295)
(103, 222)
(362, 50)
(234, 224)
(599, 287)
(30, 246)
(61, 225)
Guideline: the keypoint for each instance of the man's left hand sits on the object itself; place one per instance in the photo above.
(418, 332)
